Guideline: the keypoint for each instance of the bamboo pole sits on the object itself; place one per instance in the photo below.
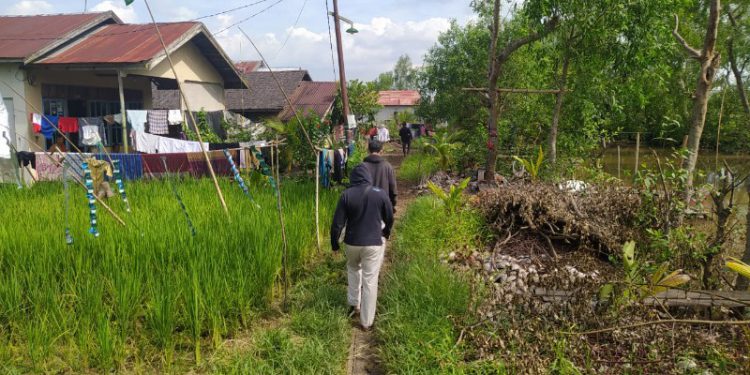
(59, 164)
(190, 113)
(275, 174)
(619, 162)
(637, 153)
(317, 199)
(123, 113)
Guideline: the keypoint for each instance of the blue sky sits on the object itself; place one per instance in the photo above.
(388, 28)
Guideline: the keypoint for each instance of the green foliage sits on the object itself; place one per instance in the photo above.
(532, 168)
(417, 166)
(149, 292)
(453, 199)
(443, 145)
(207, 133)
(423, 297)
(363, 103)
(297, 151)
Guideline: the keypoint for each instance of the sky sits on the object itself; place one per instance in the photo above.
(387, 28)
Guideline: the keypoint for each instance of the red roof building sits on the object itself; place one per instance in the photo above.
(398, 98)
(311, 98)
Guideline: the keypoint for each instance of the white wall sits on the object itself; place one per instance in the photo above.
(203, 95)
(10, 74)
(388, 112)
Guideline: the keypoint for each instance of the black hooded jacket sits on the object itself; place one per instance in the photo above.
(362, 209)
(382, 175)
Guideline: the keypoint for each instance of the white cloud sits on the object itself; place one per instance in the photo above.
(373, 50)
(29, 7)
(182, 13)
(126, 13)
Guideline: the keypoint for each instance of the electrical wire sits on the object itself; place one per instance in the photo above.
(289, 33)
(330, 40)
(229, 10)
(248, 18)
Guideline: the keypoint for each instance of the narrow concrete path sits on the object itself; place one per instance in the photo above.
(363, 351)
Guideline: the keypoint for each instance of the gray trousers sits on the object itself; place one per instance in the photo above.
(363, 268)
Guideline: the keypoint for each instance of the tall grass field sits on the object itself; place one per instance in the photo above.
(149, 294)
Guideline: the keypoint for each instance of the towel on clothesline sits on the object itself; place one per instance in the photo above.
(68, 124)
(36, 122)
(174, 117)
(137, 119)
(49, 123)
(157, 121)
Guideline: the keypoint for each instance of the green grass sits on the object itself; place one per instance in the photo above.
(421, 297)
(312, 339)
(417, 166)
(148, 295)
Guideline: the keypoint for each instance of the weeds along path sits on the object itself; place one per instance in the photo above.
(363, 350)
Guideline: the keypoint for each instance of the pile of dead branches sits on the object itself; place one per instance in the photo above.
(598, 218)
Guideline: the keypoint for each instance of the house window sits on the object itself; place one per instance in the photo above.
(98, 108)
(54, 107)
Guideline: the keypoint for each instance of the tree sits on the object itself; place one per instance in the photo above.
(384, 81)
(363, 101)
(497, 59)
(404, 74)
(738, 38)
(709, 59)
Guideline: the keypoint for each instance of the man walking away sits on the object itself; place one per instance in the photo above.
(383, 135)
(405, 134)
(381, 170)
(367, 214)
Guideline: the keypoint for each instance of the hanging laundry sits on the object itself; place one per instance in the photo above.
(175, 164)
(174, 117)
(199, 167)
(338, 165)
(26, 158)
(157, 121)
(248, 159)
(92, 200)
(36, 122)
(49, 123)
(74, 162)
(68, 124)
(90, 136)
(324, 170)
(137, 119)
(48, 167)
(152, 144)
(131, 165)
(99, 169)
(222, 146)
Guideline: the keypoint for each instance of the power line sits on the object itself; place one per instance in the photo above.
(248, 18)
(288, 34)
(230, 10)
(330, 40)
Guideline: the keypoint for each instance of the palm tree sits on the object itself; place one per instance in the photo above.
(443, 145)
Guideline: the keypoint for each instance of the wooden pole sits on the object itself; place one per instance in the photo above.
(317, 199)
(284, 261)
(718, 127)
(123, 111)
(190, 113)
(619, 162)
(59, 164)
(637, 153)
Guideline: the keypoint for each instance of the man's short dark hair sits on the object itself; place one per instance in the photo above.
(374, 146)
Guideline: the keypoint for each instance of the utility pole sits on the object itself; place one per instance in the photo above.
(342, 74)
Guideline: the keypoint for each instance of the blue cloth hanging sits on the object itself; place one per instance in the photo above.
(131, 165)
(49, 123)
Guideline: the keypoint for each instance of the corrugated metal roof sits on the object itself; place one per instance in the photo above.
(121, 44)
(317, 97)
(399, 98)
(22, 36)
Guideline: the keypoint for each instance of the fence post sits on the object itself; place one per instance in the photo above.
(637, 153)
(619, 162)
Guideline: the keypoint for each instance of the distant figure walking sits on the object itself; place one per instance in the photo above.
(381, 171)
(405, 134)
(367, 214)
(383, 134)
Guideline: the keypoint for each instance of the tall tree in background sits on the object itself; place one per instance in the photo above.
(404, 74)
(709, 59)
(496, 61)
(738, 43)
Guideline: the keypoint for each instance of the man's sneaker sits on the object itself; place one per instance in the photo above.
(353, 312)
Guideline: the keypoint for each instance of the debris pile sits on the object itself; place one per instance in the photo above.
(597, 218)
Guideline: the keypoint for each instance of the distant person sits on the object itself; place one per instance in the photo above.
(373, 133)
(58, 146)
(406, 136)
(381, 170)
(383, 134)
(367, 214)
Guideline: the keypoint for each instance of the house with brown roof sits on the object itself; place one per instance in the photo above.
(311, 98)
(71, 65)
(395, 102)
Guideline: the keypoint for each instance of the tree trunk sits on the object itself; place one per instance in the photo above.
(709, 60)
(742, 282)
(735, 68)
(494, 73)
(558, 109)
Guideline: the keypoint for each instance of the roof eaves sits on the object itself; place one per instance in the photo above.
(174, 46)
(224, 55)
(104, 16)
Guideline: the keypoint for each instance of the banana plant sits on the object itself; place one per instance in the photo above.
(444, 145)
(453, 199)
(533, 168)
